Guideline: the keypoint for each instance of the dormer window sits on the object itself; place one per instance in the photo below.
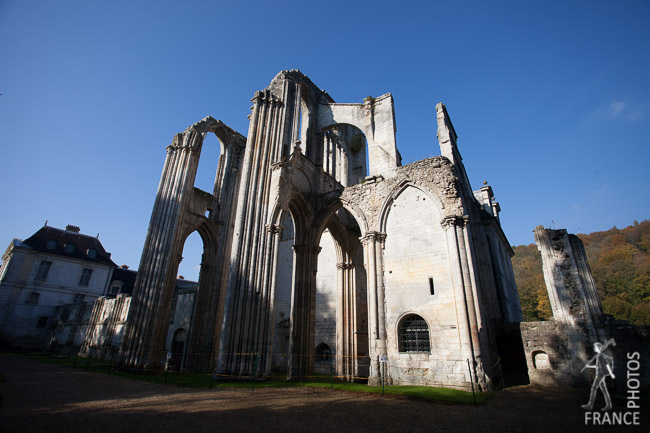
(50, 245)
(91, 253)
(69, 248)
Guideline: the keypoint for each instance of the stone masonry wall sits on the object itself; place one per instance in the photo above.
(415, 251)
(326, 296)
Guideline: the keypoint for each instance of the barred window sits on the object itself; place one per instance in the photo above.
(414, 334)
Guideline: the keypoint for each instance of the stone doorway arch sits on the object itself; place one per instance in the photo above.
(178, 350)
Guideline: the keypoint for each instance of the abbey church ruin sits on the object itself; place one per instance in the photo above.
(322, 251)
(322, 255)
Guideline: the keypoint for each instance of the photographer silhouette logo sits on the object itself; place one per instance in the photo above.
(603, 364)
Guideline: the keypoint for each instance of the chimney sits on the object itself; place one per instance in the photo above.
(71, 228)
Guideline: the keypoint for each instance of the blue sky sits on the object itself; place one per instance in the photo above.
(551, 100)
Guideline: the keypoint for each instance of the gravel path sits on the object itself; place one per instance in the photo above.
(42, 397)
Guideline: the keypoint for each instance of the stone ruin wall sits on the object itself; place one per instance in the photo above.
(557, 350)
(284, 164)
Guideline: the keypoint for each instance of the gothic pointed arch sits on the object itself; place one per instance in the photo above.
(397, 191)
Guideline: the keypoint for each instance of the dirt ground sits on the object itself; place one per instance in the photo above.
(42, 397)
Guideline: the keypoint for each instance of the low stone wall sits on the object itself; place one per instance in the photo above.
(556, 353)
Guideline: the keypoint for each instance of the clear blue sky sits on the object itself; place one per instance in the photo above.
(551, 100)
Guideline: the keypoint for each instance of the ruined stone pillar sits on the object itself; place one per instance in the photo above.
(346, 325)
(463, 293)
(274, 232)
(569, 283)
(148, 319)
(341, 311)
(244, 343)
(303, 307)
(373, 243)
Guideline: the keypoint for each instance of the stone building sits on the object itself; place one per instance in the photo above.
(102, 328)
(557, 350)
(39, 275)
(322, 251)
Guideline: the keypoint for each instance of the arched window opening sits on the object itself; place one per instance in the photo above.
(540, 360)
(208, 164)
(190, 266)
(177, 349)
(345, 154)
(414, 334)
(323, 353)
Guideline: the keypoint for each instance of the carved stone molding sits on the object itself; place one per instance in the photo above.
(454, 221)
(310, 249)
(274, 228)
(345, 266)
(434, 175)
(373, 237)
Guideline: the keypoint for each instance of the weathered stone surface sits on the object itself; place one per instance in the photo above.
(309, 248)
(558, 350)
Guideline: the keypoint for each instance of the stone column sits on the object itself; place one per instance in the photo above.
(234, 295)
(346, 321)
(274, 233)
(463, 294)
(303, 307)
(373, 244)
(143, 345)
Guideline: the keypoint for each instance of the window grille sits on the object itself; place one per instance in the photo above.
(414, 335)
(43, 270)
(85, 277)
(78, 298)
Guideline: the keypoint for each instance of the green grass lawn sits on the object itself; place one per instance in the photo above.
(195, 380)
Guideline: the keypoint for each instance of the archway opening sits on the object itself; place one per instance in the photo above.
(177, 350)
(206, 172)
(189, 267)
(345, 153)
(282, 296)
(341, 310)
(194, 299)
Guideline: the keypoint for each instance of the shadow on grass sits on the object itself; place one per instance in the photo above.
(196, 380)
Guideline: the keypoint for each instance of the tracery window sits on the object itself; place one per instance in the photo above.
(414, 334)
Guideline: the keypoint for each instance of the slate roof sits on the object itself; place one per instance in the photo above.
(127, 277)
(82, 244)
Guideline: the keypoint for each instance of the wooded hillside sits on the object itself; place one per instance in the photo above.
(620, 263)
